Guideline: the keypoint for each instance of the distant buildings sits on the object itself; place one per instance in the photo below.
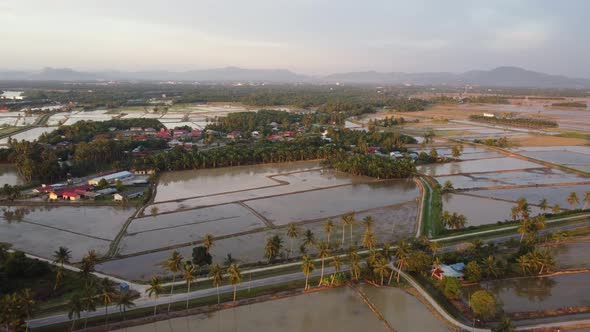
(111, 178)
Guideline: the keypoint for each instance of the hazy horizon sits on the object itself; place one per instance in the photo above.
(307, 37)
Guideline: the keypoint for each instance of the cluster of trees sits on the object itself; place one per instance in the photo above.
(387, 141)
(389, 122)
(487, 100)
(373, 166)
(516, 122)
(501, 142)
(453, 221)
(84, 131)
(247, 122)
(570, 104)
(10, 192)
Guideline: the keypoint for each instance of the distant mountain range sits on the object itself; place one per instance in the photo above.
(498, 77)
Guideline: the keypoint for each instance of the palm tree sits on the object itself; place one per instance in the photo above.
(328, 229)
(344, 223)
(386, 250)
(491, 267)
(355, 267)
(75, 308)
(323, 252)
(208, 241)
(61, 256)
(307, 267)
(351, 223)
(292, 233)
(216, 275)
(308, 238)
(368, 239)
(544, 205)
(402, 253)
(524, 263)
(189, 270)
(573, 199)
(368, 223)
(155, 289)
(381, 266)
(235, 277)
(433, 246)
(556, 209)
(124, 301)
(89, 300)
(273, 247)
(586, 200)
(523, 229)
(337, 264)
(28, 302)
(106, 295)
(174, 265)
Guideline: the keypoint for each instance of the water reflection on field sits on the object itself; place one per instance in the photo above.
(339, 309)
(539, 293)
(9, 175)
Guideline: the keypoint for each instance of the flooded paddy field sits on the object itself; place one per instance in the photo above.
(391, 224)
(338, 309)
(323, 203)
(195, 183)
(553, 194)
(476, 166)
(28, 135)
(166, 230)
(572, 254)
(577, 157)
(480, 211)
(9, 175)
(539, 293)
(529, 177)
(42, 230)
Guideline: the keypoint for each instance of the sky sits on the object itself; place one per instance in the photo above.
(306, 36)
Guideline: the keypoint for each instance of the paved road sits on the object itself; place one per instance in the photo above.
(165, 299)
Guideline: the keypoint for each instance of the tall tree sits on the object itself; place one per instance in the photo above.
(124, 301)
(155, 288)
(292, 233)
(328, 228)
(337, 264)
(573, 200)
(75, 308)
(188, 272)
(208, 242)
(216, 275)
(323, 252)
(106, 295)
(235, 277)
(61, 256)
(174, 265)
(307, 266)
(381, 266)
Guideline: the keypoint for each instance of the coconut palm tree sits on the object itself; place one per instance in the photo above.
(544, 205)
(155, 288)
(307, 266)
(368, 223)
(368, 239)
(386, 250)
(402, 253)
(586, 200)
(27, 302)
(323, 252)
(491, 267)
(188, 270)
(381, 266)
(75, 309)
(344, 223)
(351, 222)
(208, 242)
(355, 268)
(308, 238)
(337, 264)
(523, 228)
(573, 200)
(433, 246)
(61, 256)
(328, 229)
(174, 265)
(235, 277)
(216, 275)
(89, 300)
(524, 263)
(273, 246)
(106, 295)
(292, 233)
(123, 302)
(556, 209)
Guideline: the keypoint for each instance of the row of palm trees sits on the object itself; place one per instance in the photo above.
(16, 309)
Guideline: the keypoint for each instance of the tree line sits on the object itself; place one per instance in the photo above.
(516, 122)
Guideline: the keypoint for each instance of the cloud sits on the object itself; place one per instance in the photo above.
(520, 36)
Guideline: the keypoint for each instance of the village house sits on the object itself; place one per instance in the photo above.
(129, 194)
(111, 178)
(450, 271)
(234, 135)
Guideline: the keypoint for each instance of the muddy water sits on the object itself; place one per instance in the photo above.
(9, 175)
(569, 255)
(553, 194)
(480, 211)
(339, 309)
(41, 230)
(470, 166)
(175, 185)
(324, 203)
(540, 293)
(391, 224)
